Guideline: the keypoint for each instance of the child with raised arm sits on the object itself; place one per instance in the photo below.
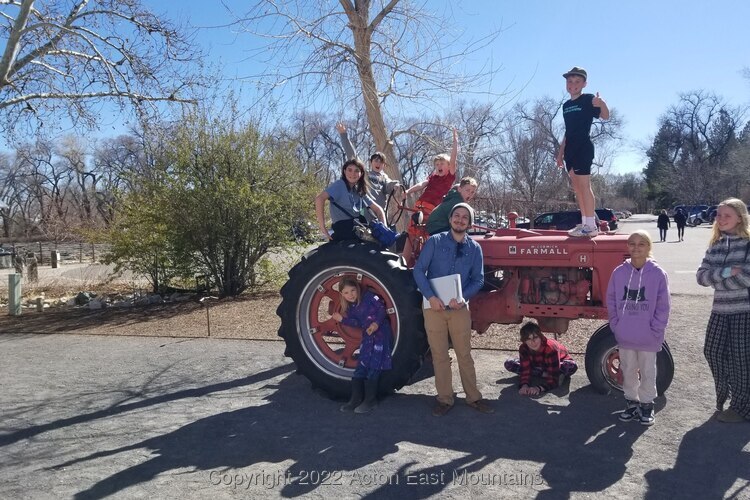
(576, 152)
(542, 363)
(638, 304)
(380, 186)
(437, 185)
(366, 311)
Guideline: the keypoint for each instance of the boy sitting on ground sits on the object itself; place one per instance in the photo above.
(542, 363)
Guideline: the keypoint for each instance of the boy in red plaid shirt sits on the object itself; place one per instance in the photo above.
(545, 360)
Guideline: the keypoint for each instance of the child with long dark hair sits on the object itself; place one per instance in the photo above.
(349, 201)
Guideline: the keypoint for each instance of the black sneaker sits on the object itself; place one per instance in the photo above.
(633, 411)
(647, 414)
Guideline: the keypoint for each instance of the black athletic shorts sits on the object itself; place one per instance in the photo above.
(580, 160)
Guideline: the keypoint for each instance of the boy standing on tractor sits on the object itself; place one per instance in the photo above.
(576, 150)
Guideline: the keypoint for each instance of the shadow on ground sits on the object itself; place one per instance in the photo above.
(577, 452)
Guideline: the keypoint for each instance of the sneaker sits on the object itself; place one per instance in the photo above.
(730, 416)
(589, 232)
(481, 406)
(581, 231)
(441, 409)
(633, 411)
(576, 231)
(647, 414)
(364, 234)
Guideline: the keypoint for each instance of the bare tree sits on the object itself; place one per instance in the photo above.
(526, 162)
(63, 56)
(479, 125)
(392, 49)
(119, 162)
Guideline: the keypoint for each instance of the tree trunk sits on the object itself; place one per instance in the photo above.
(362, 41)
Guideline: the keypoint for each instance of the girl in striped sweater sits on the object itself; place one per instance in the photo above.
(725, 267)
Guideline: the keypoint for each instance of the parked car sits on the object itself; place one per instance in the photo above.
(710, 215)
(704, 216)
(688, 210)
(608, 215)
(568, 219)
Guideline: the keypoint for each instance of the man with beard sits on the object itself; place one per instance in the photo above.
(445, 254)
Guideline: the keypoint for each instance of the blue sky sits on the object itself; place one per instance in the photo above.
(640, 55)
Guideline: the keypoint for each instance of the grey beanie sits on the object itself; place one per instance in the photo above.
(467, 207)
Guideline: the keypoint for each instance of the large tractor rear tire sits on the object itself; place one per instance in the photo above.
(603, 363)
(325, 351)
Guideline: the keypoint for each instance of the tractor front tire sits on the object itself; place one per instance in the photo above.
(603, 363)
(326, 352)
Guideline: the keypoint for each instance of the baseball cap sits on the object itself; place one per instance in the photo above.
(575, 70)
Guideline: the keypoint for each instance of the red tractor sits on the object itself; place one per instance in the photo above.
(545, 275)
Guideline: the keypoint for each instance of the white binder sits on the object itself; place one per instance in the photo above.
(446, 288)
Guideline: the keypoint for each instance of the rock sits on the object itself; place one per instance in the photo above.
(83, 298)
(95, 304)
(180, 297)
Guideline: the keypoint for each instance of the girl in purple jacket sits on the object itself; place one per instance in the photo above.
(638, 304)
(366, 311)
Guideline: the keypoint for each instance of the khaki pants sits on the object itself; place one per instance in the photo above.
(456, 325)
(632, 363)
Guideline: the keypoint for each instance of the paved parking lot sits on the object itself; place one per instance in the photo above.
(127, 417)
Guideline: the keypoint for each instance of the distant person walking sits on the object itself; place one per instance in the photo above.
(663, 224)
(680, 221)
(727, 348)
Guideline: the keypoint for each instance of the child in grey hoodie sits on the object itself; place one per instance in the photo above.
(638, 304)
